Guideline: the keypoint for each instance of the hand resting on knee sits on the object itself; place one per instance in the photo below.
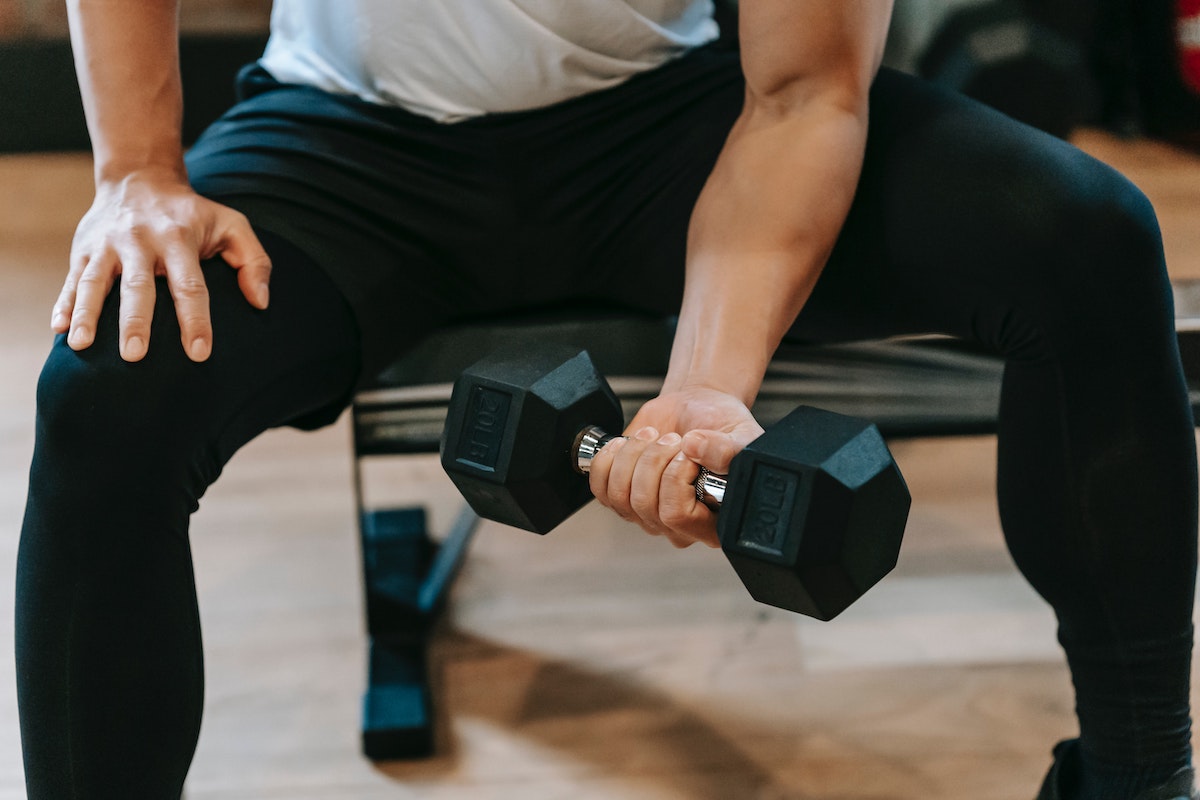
(145, 224)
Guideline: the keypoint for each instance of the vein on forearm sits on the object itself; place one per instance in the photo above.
(760, 234)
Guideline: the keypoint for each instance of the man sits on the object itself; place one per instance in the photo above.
(398, 165)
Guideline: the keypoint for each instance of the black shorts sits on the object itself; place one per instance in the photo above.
(421, 223)
(961, 219)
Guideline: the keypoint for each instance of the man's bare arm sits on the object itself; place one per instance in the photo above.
(145, 220)
(760, 233)
(127, 62)
(772, 208)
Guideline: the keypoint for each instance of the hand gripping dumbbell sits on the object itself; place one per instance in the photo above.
(811, 514)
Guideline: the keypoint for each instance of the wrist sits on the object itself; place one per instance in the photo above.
(743, 388)
(733, 373)
(136, 185)
(114, 171)
(718, 349)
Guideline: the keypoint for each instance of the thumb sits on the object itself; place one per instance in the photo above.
(712, 449)
(241, 250)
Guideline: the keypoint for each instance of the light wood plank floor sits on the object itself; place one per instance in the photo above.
(597, 662)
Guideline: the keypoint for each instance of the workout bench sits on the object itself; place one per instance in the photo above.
(901, 385)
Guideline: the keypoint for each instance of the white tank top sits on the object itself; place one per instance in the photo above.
(454, 59)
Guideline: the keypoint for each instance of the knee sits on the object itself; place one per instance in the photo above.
(1101, 274)
(1111, 234)
(93, 406)
(111, 474)
(81, 396)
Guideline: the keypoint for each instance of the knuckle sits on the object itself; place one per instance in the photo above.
(625, 513)
(136, 281)
(228, 222)
(652, 528)
(679, 468)
(679, 541)
(174, 232)
(135, 320)
(260, 262)
(675, 516)
(195, 324)
(643, 505)
(92, 280)
(191, 287)
(139, 232)
(181, 242)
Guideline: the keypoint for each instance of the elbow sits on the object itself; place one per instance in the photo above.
(842, 104)
(836, 93)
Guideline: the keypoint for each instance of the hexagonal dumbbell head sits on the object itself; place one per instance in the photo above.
(512, 420)
(814, 512)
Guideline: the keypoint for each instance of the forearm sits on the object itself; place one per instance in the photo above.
(146, 221)
(127, 62)
(760, 234)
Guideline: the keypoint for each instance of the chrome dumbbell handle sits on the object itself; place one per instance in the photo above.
(710, 487)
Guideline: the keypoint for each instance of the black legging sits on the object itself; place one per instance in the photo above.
(964, 223)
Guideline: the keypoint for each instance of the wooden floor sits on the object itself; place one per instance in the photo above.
(597, 662)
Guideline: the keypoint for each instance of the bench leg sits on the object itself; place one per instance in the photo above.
(407, 578)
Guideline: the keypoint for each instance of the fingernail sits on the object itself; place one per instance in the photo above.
(680, 456)
(647, 434)
(671, 438)
(613, 445)
(262, 296)
(135, 347)
(79, 337)
(199, 349)
(59, 320)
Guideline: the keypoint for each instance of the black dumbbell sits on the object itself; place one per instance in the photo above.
(812, 512)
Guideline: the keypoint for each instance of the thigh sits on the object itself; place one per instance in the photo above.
(294, 363)
(969, 223)
(964, 221)
(397, 210)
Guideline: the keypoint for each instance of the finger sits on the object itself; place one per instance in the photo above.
(137, 303)
(648, 479)
(241, 250)
(620, 476)
(60, 314)
(601, 466)
(678, 540)
(190, 294)
(94, 284)
(680, 510)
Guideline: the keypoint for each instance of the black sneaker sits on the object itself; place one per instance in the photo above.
(1181, 786)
